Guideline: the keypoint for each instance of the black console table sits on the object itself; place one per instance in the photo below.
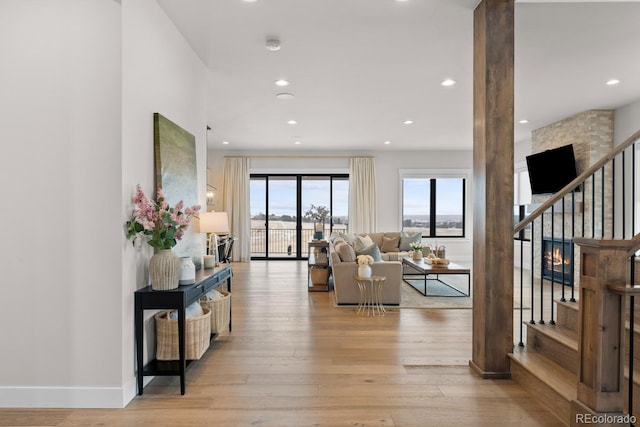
(178, 299)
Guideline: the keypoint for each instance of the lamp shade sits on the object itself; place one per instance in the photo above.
(214, 222)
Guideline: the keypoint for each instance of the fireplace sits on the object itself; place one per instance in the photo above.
(556, 264)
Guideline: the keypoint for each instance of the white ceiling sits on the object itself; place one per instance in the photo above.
(359, 68)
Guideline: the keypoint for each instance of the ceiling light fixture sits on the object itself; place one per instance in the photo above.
(448, 82)
(297, 142)
(284, 96)
(273, 44)
(408, 122)
(225, 142)
(292, 122)
(282, 82)
(613, 82)
(523, 121)
(387, 142)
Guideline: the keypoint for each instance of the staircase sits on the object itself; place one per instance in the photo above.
(547, 366)
(547, 359)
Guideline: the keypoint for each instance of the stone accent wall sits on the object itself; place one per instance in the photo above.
(591, 134)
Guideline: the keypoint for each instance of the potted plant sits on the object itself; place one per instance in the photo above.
(165, 225)
(417, 250)
(317, 214)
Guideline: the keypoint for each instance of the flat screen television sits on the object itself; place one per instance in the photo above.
(551, 170)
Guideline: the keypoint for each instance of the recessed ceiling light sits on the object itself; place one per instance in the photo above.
(408, 122)
(225, 142)
(297, 142)
(387, 142)
(613, 82)
(273, 44)
(292, 122)
(285, 96)
(523, 121)
(249, 1)
(282, 82)
(448, 82)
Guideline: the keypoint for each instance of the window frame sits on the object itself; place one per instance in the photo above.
(298, 177)
(433, 175)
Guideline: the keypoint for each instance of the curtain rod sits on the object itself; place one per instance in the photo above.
(297, 157)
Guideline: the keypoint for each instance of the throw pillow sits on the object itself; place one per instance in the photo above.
(408, 237)
(346, 252)
(372, 250)
(348, 237)
(362, 242)
(390, 244)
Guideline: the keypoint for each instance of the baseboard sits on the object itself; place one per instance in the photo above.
(489, 375)
(62, 397)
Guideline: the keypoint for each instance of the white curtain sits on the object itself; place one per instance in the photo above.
(362, 195)
(236, 204)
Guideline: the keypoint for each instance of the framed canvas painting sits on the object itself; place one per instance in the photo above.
(175, 167)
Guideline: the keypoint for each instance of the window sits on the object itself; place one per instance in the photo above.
(278, 202)
(434, 206)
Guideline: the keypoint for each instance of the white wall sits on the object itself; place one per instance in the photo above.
(626, 122)
(161, 73)
(80, 83)
(60, 311)
(388, 165)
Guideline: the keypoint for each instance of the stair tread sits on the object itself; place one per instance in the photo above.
(555, 376)
(563, 335)
(569, 304)
(575, 306)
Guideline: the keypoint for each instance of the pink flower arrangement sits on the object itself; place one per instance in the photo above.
(165, 224)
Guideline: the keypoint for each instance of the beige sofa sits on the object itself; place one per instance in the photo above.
(342, 249)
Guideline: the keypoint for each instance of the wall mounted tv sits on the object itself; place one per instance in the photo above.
(551, 170)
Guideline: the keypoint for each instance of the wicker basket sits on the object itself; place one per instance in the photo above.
(197, 336)
(220, 311)
(319, 275)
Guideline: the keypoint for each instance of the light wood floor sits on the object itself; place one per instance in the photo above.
(293, 359)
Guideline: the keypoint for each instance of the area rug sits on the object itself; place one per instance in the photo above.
(411, 298)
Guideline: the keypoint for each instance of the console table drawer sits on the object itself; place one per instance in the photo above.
(193, 294)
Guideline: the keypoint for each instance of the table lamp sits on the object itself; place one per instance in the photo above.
(214, 223)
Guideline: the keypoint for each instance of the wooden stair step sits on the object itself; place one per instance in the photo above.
(563, 335)
(546, 380)
(567, 314)
(556, 342)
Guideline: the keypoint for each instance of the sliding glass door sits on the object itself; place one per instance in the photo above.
(279, 228)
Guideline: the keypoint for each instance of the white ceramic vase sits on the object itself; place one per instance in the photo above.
(187, 271)
(364, 270)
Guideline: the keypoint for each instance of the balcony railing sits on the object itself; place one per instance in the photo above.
(283, 241)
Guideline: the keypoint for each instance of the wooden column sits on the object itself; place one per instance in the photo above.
(493, 187)
(604, 265)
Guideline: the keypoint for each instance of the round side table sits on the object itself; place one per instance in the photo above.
(370, 295)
